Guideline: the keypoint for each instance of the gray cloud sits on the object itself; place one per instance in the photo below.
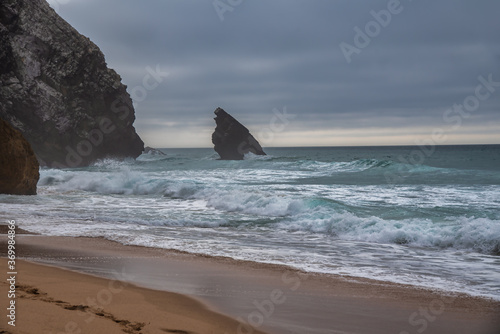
(270, 54)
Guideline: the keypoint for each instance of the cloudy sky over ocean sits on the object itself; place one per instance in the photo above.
(304, 72)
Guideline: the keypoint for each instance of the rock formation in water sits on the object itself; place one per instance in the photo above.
(231, 139)
(18, 165)
(55, 88)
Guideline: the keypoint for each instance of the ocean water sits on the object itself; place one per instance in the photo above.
(423, 216)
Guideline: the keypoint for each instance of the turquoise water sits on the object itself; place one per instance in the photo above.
(417, 215)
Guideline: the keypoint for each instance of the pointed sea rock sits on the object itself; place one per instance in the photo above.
(231, 139)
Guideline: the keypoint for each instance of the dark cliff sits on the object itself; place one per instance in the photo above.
(18, 165)
(56, 88)
(231, 139)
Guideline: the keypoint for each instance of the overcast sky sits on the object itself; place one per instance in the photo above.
(345, 72)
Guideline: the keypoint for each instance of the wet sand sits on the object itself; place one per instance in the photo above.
(53, 300)
(274, 299)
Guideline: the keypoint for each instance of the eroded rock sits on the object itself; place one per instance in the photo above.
(56, 88)
(19, 169)
(231, 139)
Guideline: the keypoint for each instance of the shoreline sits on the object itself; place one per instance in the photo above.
(275, 299)
(250, 263)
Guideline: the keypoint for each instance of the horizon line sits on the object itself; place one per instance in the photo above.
(338, 146)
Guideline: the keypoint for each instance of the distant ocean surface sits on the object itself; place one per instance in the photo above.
(423, 216)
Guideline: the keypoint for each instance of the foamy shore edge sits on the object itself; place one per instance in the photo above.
(273, 298)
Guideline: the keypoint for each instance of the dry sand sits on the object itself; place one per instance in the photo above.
(275, 299)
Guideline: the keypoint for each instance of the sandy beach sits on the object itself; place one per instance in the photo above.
(53, 300)
(91, 285)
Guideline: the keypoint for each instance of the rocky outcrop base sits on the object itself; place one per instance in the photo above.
(18, 165)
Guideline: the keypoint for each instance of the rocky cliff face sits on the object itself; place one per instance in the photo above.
(55, 88)
(18, 165)
(231, 139)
